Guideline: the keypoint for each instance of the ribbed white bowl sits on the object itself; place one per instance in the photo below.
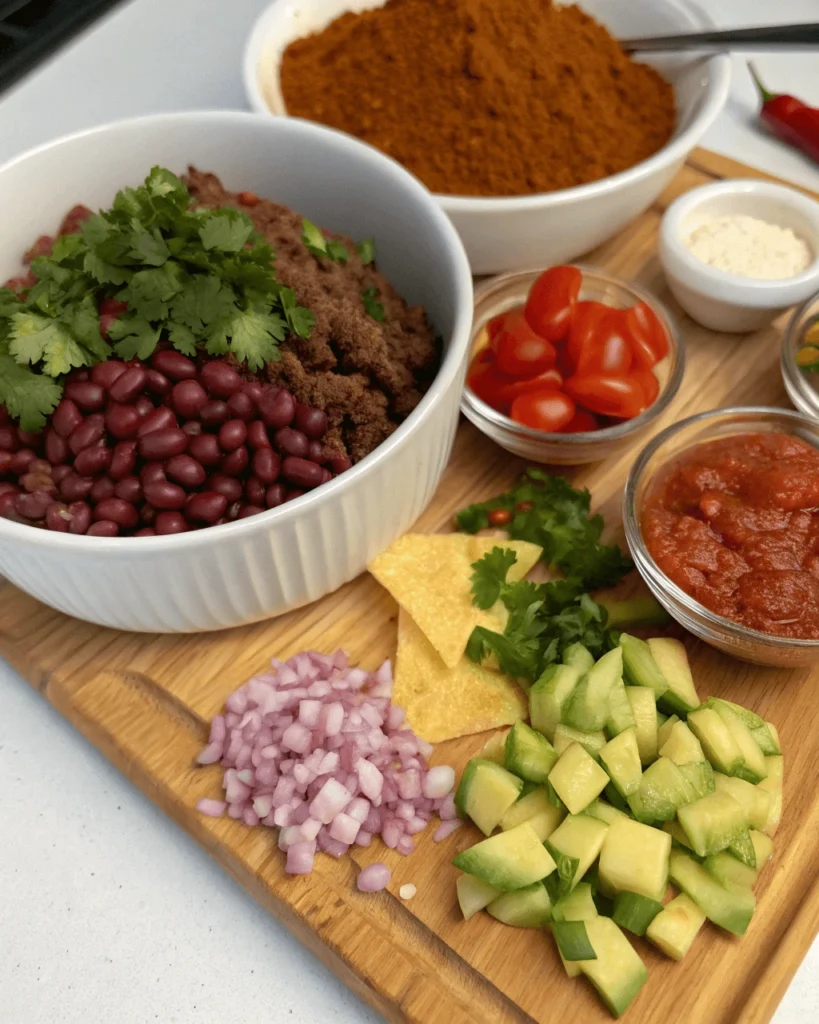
(271, 563)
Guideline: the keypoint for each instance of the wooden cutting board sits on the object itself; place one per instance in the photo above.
(145, 701)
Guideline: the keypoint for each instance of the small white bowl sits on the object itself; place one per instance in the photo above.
(728, 302)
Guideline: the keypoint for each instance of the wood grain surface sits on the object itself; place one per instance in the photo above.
(145, 701)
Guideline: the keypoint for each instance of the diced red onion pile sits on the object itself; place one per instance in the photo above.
(317, 749)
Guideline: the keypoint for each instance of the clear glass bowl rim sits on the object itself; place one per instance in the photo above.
(795, 384)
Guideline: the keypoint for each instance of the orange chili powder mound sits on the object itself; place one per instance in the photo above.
(483, 97)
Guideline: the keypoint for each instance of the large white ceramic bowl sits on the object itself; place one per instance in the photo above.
(278, 560)
(515, 233)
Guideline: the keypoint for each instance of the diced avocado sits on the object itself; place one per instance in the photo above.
(572, 941)
(700, 776)
(621, 759)
(742, 847)
(672, 661)
(536, 809)
(485, 793)
(578, 657)
(664, 730)
(529, 755)
(577, 778)
(618, 973)
(644, 709)
(524, 908)
(495, 748)
(634, 858)
(731, 909)
(621, 717)
(674, 929)
(729, 871)
(577, 906)
(755, 802)
(591, 742)
(509, 860)
(634, 912)
(753, 767)
(603, 812)
(681, 746)
(763, 848)
(773, 785)
(663, 790)
(717, 741)
(588, 709)
(639, 667)
(712, 822)
(474, 894)
(548, 696)
(578, 839)
(677, 833)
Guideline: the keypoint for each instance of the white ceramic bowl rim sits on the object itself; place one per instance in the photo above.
(748, 291)
(450, 364)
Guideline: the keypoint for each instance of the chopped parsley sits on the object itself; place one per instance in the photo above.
(373, 307)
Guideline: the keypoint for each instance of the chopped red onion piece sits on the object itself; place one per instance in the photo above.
(300, 858)
(439, 781)
(213, 808)
(211, 754)
(344, 828)
(447, 811)
(445, 829)
(406, 845)
(332, 798)
(363, 838)
(373, 878)
(406, 892)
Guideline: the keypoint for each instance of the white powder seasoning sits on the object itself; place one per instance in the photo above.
(748, 247)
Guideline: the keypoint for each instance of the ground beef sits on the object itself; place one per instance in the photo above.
(367, 376)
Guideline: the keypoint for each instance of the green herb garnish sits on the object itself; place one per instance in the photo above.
(373, 307)
(321, 247)
(366, 250)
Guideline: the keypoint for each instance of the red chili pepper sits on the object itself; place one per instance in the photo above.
(789, 119)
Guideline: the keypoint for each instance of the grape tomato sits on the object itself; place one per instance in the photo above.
(608, 395)
(519, 352)
(582, 422)
(548, 410)
(608, 350)
(647, 336)
(585, 321)
(552, 300)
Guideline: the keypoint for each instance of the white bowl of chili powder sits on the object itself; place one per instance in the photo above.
(622, 141)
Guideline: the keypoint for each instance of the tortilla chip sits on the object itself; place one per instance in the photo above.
(429, 576)
(442, 703)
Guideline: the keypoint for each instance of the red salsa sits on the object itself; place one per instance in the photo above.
(735, 524)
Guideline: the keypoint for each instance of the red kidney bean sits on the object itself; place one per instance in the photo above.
(147, 515)
(29, 438)
(219, 379)
(188, 397)
(266, 466)
(91, 430)
(241, 406)
(163, 494)
(206, 507)
(56, 448)
(275, 495)
(185, 470)
(277, 408)
(205, 449)
(312, 422)
(229, 486)
(7, 504)
(249, 510)
(32, 506)
(233, 511)
(9, 441)
(103, 528)
(58, 518)
(254, 491)
(173, 364)
(236, 463)
(118, 511)
(316, 452)
(302, 473)
(123, 459)
(67, 416)
(33, 482)
(162, 444)
(106, 373)
(7, 487)
(86, 394)
(59, 473)
(160, 419)
(80, 517)
(93, 461)
(40, 466)
(128, 385)
(122, 420)
(326, 475)
(103, 489)
(294, 492)
(170, 522)
(129, 489)
(257, 435)
(75, 488)
(193, 428)
(146, 531)
(214, 413)
(291, 442)
(151, 472)
(5, 462)
(21, 460)
(232, 434)
(157, 383)
(254, 389)
(144, 406)
(340, 464)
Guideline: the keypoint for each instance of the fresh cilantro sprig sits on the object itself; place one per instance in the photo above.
(366, 250)
(321, 247)
(371, 304)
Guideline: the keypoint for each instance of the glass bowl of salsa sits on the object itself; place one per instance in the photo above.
(800, 358)
(573, 443)
(721, 513)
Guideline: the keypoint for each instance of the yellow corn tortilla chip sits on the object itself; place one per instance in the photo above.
(442, 703)
(429, 576)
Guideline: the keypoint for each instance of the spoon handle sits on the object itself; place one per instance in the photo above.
(790, 36)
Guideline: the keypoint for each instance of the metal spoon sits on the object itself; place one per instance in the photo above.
(786, 36)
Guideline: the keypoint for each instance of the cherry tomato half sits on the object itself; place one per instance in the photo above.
(519, 352)
(649, 383)
(607, 351)
(607, 395)
(581, 423)
(647, 337)
(548, 410)
(552, 300)
(487, 383)
(585, 322)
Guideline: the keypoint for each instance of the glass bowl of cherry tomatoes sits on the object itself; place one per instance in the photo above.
(569, 364)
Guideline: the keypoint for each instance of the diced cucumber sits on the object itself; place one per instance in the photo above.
(474, 894)
(729, 871)
(775, 766)
(548, 696)
(529, 755)
(766, 740)
(753, 767)
(634, 913)
(495, 748)
(731, 909)
(700, 776)
(588, 709)
(614, 798)
(750, 718)
(524, 908)
(763, 848)
(578, 839)
(618, 973)
(604, 812)
(712, 822)
(537, 810)
(577, 906)
(663, 790)
(661, 720)
(774, 736)
(591, 742)
(639, 667)
(755, 802)
(681, 745)
(485, 793)
(621, 717)
(677, 833)
(773, 785)
(717, 740)
(644, 709)
(526, 789)
(742, 847)
(577, 778)
(634, 858)
(578, 657)
(509, 860)
(664, 730)
(621, 759)
(573, 941)
(672, 661)
(640, 610)
(674, 929)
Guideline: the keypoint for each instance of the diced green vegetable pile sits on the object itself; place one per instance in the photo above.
(623, 782)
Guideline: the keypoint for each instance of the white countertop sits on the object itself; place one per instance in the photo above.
(108, 912)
